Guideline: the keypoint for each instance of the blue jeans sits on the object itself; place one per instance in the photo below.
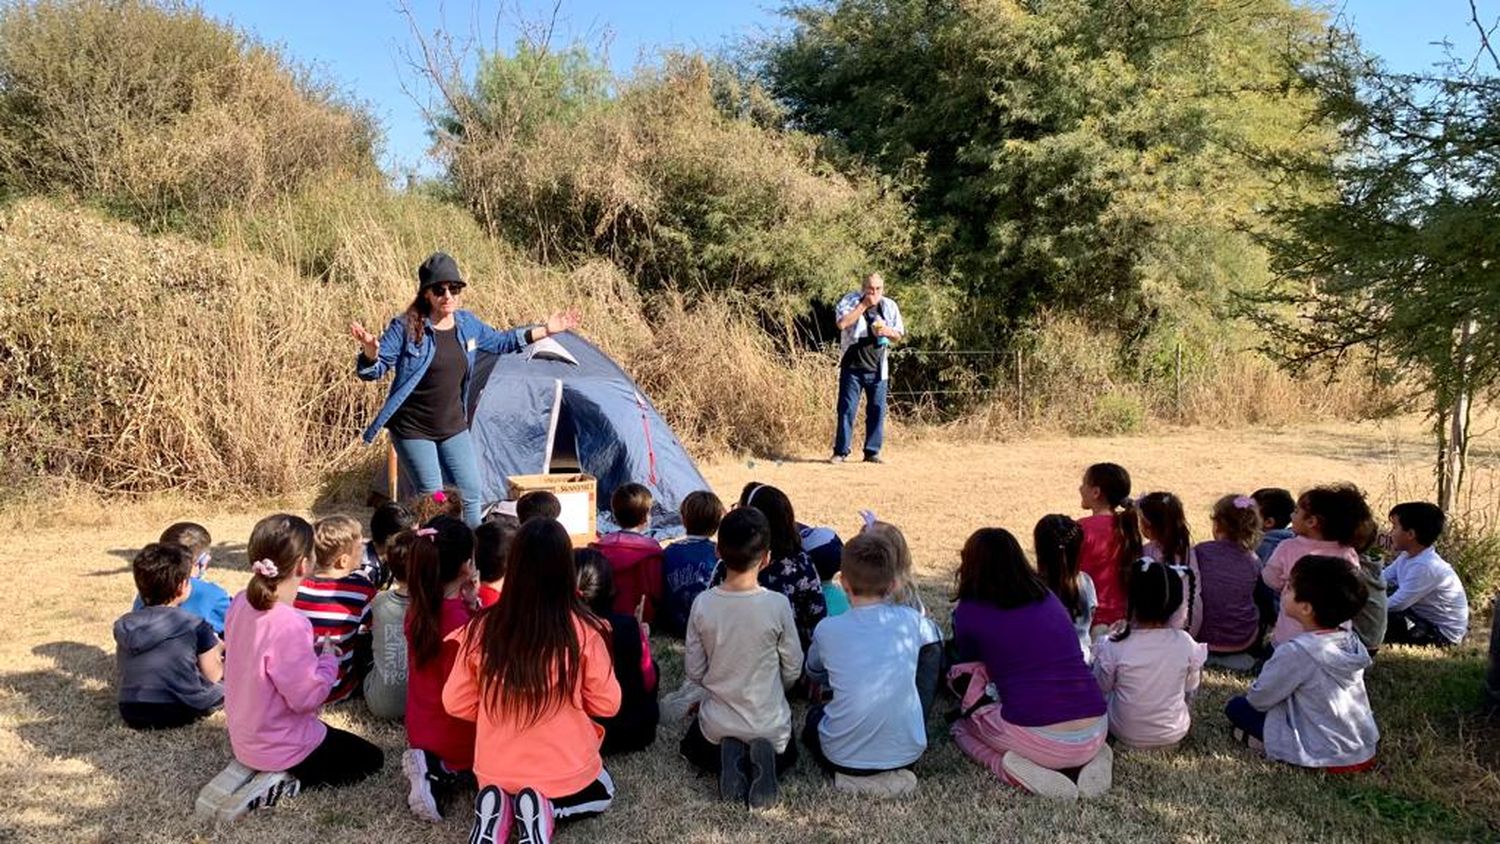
(851, 384)
(431, 464)
(1246, 717)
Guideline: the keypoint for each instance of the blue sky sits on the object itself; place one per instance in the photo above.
(360, 44)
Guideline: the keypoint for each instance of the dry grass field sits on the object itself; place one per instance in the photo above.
(70, 771)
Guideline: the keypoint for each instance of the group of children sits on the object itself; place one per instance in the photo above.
(518, 662)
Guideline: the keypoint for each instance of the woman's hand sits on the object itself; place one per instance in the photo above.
(367, 340)
(560, 321)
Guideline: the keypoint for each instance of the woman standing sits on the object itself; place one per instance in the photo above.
(431, 348)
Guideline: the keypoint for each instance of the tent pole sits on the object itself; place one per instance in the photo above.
(391, 467)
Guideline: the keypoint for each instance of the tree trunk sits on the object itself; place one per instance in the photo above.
(1455, 451)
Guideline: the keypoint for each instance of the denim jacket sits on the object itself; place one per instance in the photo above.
(411, 361)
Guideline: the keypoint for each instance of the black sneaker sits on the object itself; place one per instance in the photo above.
(763, 789)
(873, 458)
(734, 785)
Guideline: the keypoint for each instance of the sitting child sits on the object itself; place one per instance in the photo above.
(388, 520)
(205, 599)
(385, 685)
(1308, 706)
(790, 572)
(1169, 542)
(171, 662)
(1058, 540)
(824, 548)
(634, 726)
(1428, 604)
(743, 651)
(904, 592)
(635, 557)
(537, 504)
(336, 599)
(491, 543)
(873, 729)
(687, 565)
(1230, 573)
(1276, 506)
(447, 501)
(1111, 539)
(1150, 670)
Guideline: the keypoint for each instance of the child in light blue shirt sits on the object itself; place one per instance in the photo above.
(205, 599)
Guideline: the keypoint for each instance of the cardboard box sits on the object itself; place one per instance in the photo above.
(578, 493)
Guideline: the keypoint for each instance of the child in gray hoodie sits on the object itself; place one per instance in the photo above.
(1308, 707)
(171, 662)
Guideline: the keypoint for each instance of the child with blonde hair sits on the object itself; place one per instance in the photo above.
(1230, 572)
(336, 599)
(904, 593)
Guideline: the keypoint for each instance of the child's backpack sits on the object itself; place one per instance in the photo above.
(977, 701)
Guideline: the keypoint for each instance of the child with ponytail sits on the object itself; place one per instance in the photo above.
(274, 683)
(1231, 579)
(442, 582)
(1111, 538)
(534, 671)
(1058, 540)
(1169, 542)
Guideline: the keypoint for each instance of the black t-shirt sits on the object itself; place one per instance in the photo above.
(435, 410)
(864, 355)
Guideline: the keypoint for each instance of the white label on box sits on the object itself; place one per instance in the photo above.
(575, 511)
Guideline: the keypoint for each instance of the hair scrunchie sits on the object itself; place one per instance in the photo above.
(1244, 502)
(427, 532)
(265, 568)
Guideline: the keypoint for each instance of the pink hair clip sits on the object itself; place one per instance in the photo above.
(265, 568)
(1244, 502)
(440, 496)
(427, 532)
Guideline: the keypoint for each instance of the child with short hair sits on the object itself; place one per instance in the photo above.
(491, 545)
(274, 683)
(170, 661)
(389, 519)
(1150, 670)
(1427, 604)
(743, 650)
(1230, 574)
(1308, 707)
(634, 726)
(687, 565)
(534, 671)
(904, 592)
(336, 599)
(1058, 540)
(538, 504)
(1169, 542)
(448, 501)
(385, 685)
(790, 571)
(205, 599)
(1111, 538)
(1276, 506)
(873, 729)
(635, 557)
(442, 584)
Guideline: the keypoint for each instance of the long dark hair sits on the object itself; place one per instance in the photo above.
(284, 540)
(786, 540)
(596, 580)
(1163, 512)
(993, 569)
(416, 315)
(1155, 594)
(530, 656)
(1058, 540)
(1343, 514)
(1113, 482)
(435, 561)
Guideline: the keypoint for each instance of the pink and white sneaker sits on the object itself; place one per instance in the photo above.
(493, 816)
(534, 819)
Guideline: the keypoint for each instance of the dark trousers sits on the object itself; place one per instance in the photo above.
(930, 671)
(814, 742)
(1403, 627)
(160, 716)
(634, 728)
(1246, 717)
(704, 754)
(1492, 672)
(342, 759)
(851, 384)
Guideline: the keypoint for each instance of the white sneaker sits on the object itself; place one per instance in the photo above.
(887, 784)
(420, 797)
(1043, 782)
(263, 791)
(219, 790)
(1096, 777)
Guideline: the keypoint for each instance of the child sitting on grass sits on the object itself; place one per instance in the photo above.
(537, 504)
(1111, 539)
(1427, 605)
(873, 729)
(790, 571)
(1330, 521)
(634, 726)
(385, 685)
(336, 599)
(743, 650)
(1230, 574)
(1169, 542)
(1150, 670)
(635, 557)
(491, 544)
(1058, 540)
(1276, 506)
(389, 519)
(688, 564)
(171, 662)
(1308, 707)
(205, 599)
(904, 592)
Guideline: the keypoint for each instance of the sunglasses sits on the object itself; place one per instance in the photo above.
(441, 290)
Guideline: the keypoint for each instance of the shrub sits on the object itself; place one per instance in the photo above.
(1118, 412)
(1472, 547)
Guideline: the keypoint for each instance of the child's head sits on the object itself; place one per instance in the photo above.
(869, 566)
(445, 502)
(388, 520)
(491, 543)
(161, 572)
(398, 555)
(744, 539)
(1104, 484)
(1164, 522)
(281, 547)
(701, 513)
(537, 504)
(1155, 593)
(189, 535)
(1323, 592)
(1057, 542)
(1416, 525)
(337, 540)
(1276, 506)
(897, 540)
(993, 569)
(596, 580)
(1237, 519)
(440, 559)
(786, 540)
(1336, 513)
(631, 506)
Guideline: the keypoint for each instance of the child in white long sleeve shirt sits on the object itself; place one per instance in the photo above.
(1428, 605)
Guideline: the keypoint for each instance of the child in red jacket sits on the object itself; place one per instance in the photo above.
(634, 557)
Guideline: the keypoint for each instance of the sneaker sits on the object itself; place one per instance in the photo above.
(885, 785)
(1247, 740)
(421, 798)
(734, 785)
(763, 790)
(1095, 778)
(493, 816)
(873, 458)
(220, 789)
(839, 458)
(533, 818)
(1043, 782)
(264, 790)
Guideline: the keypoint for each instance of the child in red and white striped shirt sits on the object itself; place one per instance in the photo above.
(336, 599)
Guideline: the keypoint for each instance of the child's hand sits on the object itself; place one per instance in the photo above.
(470, 593)
(327, 647)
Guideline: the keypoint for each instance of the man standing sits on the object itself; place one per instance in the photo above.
(868, 324)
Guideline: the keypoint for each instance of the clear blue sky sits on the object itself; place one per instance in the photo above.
(359, 44)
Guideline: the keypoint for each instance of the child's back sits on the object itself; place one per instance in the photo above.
(1313, 693)
(687, 569)
(339, 607)
(385, 685)
(636, 560)
(1148, 677)
(1278, 571)
(157, 652)
(208, 600)
(742, 648)
(1099, 558)
(634, 726)
(1229, 575)
(274, 683)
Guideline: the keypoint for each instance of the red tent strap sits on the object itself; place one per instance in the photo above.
(650, 449)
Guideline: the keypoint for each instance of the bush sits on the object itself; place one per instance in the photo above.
(1472, 547)
(160, 112)
(1119, 412)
